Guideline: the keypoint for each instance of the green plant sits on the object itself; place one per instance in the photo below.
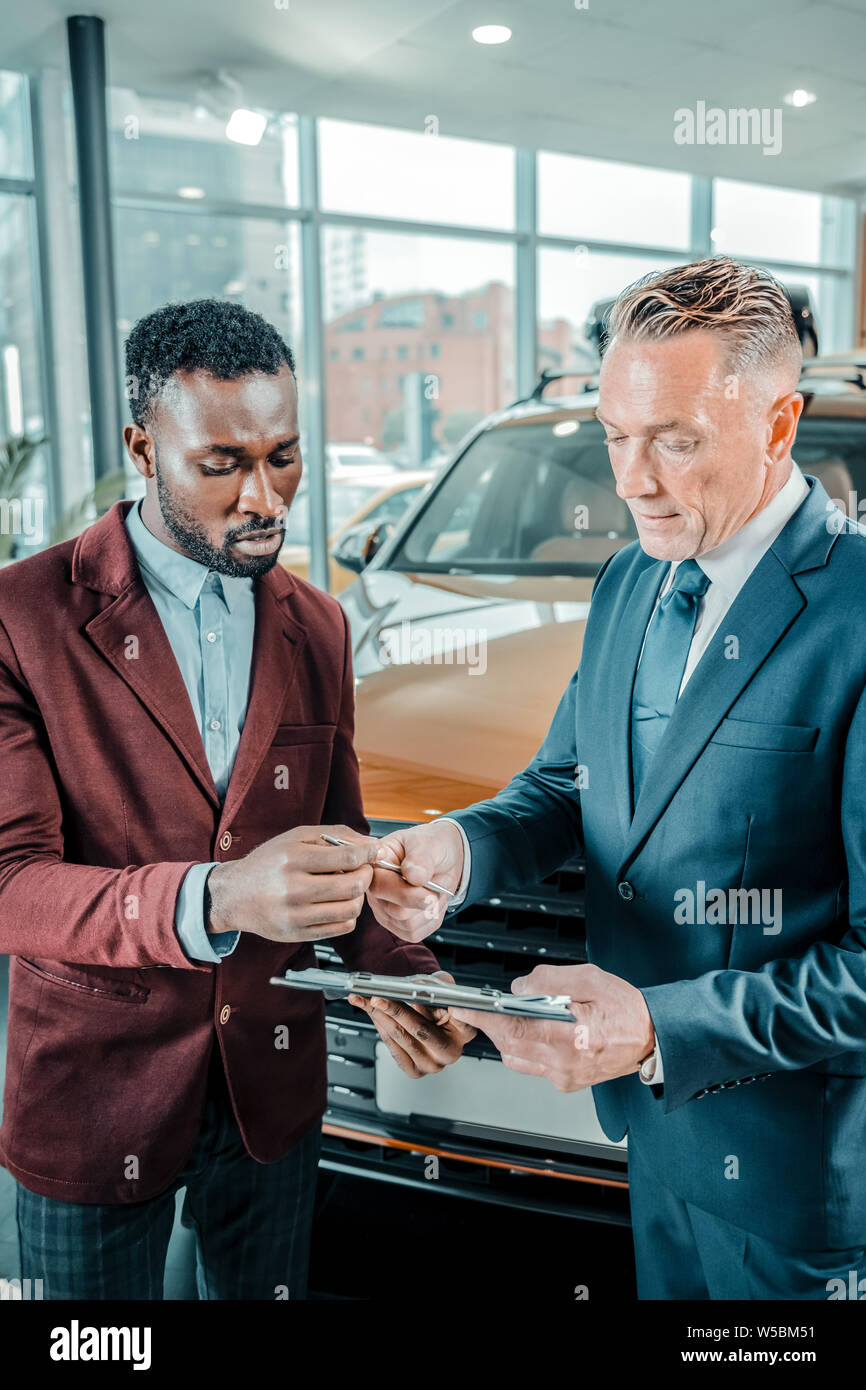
(16, 458)
(105, 491)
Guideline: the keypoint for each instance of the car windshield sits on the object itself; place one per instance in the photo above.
(344, 499)
(533, 496)
(537, 497)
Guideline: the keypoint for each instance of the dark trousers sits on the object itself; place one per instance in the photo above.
(682, 1252)
(251, 1220)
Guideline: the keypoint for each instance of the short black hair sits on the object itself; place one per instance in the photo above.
(207, 335)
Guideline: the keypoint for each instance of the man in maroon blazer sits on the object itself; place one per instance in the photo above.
(176, 721)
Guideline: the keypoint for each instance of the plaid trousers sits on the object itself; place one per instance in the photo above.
(252, 1224)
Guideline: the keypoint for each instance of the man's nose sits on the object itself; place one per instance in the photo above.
(259, 496)
(633, 472)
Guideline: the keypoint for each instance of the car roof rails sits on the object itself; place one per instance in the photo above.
(547, 376)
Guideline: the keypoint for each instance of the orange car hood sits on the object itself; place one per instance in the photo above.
(457, 680)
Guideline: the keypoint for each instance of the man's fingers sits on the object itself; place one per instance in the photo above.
(532, 1038)
(319, 915)
(327, 929)
(549, 979)
(499, 1030)
(424, 1049)
(394, 890)
(326, 887)
(403, 1059)
(317, 857)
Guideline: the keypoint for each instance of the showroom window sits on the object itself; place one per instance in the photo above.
(425, 243)
(179, 148)
(595, 201)
(422, 176)
(776, 224)
(163, 256)
(408, 282)
(569, 283)
(25, 459)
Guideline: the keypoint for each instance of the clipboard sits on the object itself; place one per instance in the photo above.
(424, 989)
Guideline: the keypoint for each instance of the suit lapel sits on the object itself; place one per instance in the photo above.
(103, 559)
(761, 614)
(766, 606)
(130, 635)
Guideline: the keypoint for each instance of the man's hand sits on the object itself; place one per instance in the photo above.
(294, 887)
(612, 1035)
(433, 851)
(421, 1040)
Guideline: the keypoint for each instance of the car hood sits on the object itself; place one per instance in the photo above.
(457, 680)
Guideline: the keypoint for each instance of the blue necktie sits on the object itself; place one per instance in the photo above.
(663, 664)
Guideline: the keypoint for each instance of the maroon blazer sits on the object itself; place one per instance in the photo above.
(106, 800)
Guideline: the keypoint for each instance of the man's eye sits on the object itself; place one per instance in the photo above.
(677, 448)
(214, 471)
(616, 439)
(283, 460)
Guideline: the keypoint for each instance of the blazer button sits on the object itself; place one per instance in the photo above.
(225, 1013)
(625, 890)
(226, 840)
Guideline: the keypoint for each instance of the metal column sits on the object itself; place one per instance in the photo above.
(313, 384)
(86, 37)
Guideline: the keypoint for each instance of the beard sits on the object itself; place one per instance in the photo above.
(192, 537)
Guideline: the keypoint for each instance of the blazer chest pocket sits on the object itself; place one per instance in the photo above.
(779, 738)
(288, 734)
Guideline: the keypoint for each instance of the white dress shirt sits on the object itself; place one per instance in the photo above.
(727, 566)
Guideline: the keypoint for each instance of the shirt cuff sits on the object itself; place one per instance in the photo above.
(189, 920)
(463, 885)
(654, 1066)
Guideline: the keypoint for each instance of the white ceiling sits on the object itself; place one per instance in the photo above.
(602, 81)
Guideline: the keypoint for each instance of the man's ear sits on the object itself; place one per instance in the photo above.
(140, 447)
(784, 416)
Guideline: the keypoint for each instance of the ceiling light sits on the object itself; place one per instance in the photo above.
(800, 97)
(246, 127)
(566, 427)
(491, 33)
(188, 191)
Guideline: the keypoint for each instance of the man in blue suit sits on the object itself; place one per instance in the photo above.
(709, 762)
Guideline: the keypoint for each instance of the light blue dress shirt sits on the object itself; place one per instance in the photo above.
(209, 620)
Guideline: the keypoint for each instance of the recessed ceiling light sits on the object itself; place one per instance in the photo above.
(491, 33)
(717, 234)
(190, 192)
(566, 427)
(246, 127)
(800, 97)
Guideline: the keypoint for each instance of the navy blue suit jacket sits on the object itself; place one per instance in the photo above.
(759, 783)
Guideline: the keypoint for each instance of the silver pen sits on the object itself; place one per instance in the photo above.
(386, 864)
